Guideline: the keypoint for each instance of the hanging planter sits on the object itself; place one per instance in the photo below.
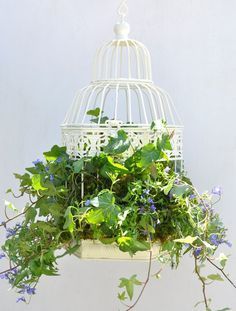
(96, 250)
(116, 190)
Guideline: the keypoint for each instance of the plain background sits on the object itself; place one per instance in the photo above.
(46, 53)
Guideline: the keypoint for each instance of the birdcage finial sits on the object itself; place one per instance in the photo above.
(122, 28)
(123, 10)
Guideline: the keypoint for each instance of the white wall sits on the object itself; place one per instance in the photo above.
(46, 50)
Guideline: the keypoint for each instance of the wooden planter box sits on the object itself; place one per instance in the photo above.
(94, 249)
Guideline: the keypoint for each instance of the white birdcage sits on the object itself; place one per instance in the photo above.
(123, 90)
(125, 97)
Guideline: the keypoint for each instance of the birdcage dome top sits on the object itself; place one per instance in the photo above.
(122, 58)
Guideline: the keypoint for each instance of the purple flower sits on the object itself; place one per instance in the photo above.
(59, 160)
(51, 177)
(18, 226)
(177, 182)
(197, 251)
(229, 244)
(27, 289)
(217, 191)
(31, 291)
(14, 271)
(150, 200)
(87, 203)
(215, 239)
(153, 208)
(141, 210)
(10, 232)
(146, 191)
(192, 196)
(47, 169)
(4, 276)
(21, 299)
(2, 255)
(38, 161)
(167, 170)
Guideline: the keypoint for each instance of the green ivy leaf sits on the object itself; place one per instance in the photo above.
(168, 187)
(78, 165)
(30, 215)
(122, 296)
(223, 260)
(117, 145)
(95, 217)
(10, 206)
(149, 154)
(179, 190)
(105, 199)
(187, 240)
(129, 284)
(95, 112)
(36, 183)
(215, 277)
(69, 223)
(24, 179)
(55, 153)
(164, 143)
(131, 245)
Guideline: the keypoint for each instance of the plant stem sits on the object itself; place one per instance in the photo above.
(9, 270)
(203, 284)
(222, 271)
(3, 224)
(144, 284)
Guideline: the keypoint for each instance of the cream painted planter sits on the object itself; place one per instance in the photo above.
(94, 249)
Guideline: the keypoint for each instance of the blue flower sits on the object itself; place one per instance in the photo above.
(14, 271)
(229, 244)
(197, 251)
(38, 161)
(59, 160)
(150, 200)
(167, 170)
(192, 196)
(215, 239)
(21, 299)
(18, 226)
(87, 203)
(142, 210)
(47, 169)
(153, 208)
(27, 290)
(2, 255)
(217, 191)
(10, 232)
(51, 177)
(4, 276)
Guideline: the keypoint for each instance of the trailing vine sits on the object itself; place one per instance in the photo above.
(133, 201)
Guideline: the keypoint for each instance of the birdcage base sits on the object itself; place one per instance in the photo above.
(94, 249)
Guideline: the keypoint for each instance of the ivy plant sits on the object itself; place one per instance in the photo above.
(133, 202)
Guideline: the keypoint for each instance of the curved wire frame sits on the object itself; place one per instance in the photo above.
(122, 59)
(135, 103)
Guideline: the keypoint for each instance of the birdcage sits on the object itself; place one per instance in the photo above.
(125, 97)
(123, 91)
